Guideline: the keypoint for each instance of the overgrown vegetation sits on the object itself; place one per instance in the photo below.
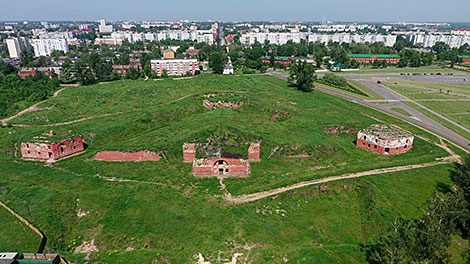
(16, 93)
(340, 83)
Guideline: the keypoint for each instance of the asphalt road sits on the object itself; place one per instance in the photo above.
(445, 79)
(396, 101)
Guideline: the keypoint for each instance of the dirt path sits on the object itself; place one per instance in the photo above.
(260, 195)
(73, 121)
(32, 108)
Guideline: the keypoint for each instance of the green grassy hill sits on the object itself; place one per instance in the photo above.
(166, 214)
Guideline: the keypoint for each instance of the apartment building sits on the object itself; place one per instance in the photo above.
(174, 67)
(16, 45)
(45, 47)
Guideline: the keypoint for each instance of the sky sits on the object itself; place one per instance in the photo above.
(239, 10)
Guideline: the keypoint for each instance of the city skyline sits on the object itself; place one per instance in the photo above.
(243, 10)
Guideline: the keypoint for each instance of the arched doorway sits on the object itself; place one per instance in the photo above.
(221, 167)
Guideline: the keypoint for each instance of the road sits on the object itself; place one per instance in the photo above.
(444, 79)
(396, 101)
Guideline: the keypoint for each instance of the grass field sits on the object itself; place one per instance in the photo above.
(179, 215)
(425, 92)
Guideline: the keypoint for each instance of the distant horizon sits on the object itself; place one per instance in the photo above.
(232, 21)
(241, 10)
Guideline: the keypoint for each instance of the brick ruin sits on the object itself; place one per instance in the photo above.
(189, 152)
(52, 151)
(221, 166)
(210, 105)
(254, 152)
(126, 156)
(385, 139)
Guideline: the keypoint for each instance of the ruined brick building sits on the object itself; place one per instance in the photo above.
(220, 166)
(44, 150)
(385, 139)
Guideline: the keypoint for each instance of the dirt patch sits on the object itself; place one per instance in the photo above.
(143, 155)
(280, 115)
(340, 130)
(86, 247)
(81, 213)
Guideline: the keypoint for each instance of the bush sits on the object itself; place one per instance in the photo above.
(334, 80)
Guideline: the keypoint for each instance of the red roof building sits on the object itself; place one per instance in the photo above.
(32, 71)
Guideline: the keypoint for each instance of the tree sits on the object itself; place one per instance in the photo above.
(216, 62)
(339, 55)
(132, 74)
(272, 59)
(303, 74)
(26, 57)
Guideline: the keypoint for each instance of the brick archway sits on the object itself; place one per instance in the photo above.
(221, 167)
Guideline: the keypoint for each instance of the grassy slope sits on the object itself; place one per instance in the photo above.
(16, 236)
(182, 217)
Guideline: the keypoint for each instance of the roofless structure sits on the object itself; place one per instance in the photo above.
(385, 139)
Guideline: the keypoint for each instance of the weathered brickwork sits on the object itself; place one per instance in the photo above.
(52, 151)
(221, 167)
(254, 152)
(210, 105)
(189, 152)
(385, 139)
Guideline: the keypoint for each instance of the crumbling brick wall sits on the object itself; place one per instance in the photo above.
(225, 167)
(189, 152)
(52, 151)
(383, 145)
(210, 105)
(254, 152)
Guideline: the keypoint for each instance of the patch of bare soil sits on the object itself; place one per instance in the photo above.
(280, 115)
(86, 247)
(126, 156)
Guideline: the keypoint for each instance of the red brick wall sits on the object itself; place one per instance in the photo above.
(254, 152)
(189, 152)
(52, 151)
(379, 149)
(231, 167)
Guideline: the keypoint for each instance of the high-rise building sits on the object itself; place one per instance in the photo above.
(16, 45)
(45, 47)
(103, 28)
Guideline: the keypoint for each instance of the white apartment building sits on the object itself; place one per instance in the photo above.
(429, 40)
(45, 47)
(16, 45)
(273, 38)
(199, 36)
(174, 67)
(282, 38)
(103, 28)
